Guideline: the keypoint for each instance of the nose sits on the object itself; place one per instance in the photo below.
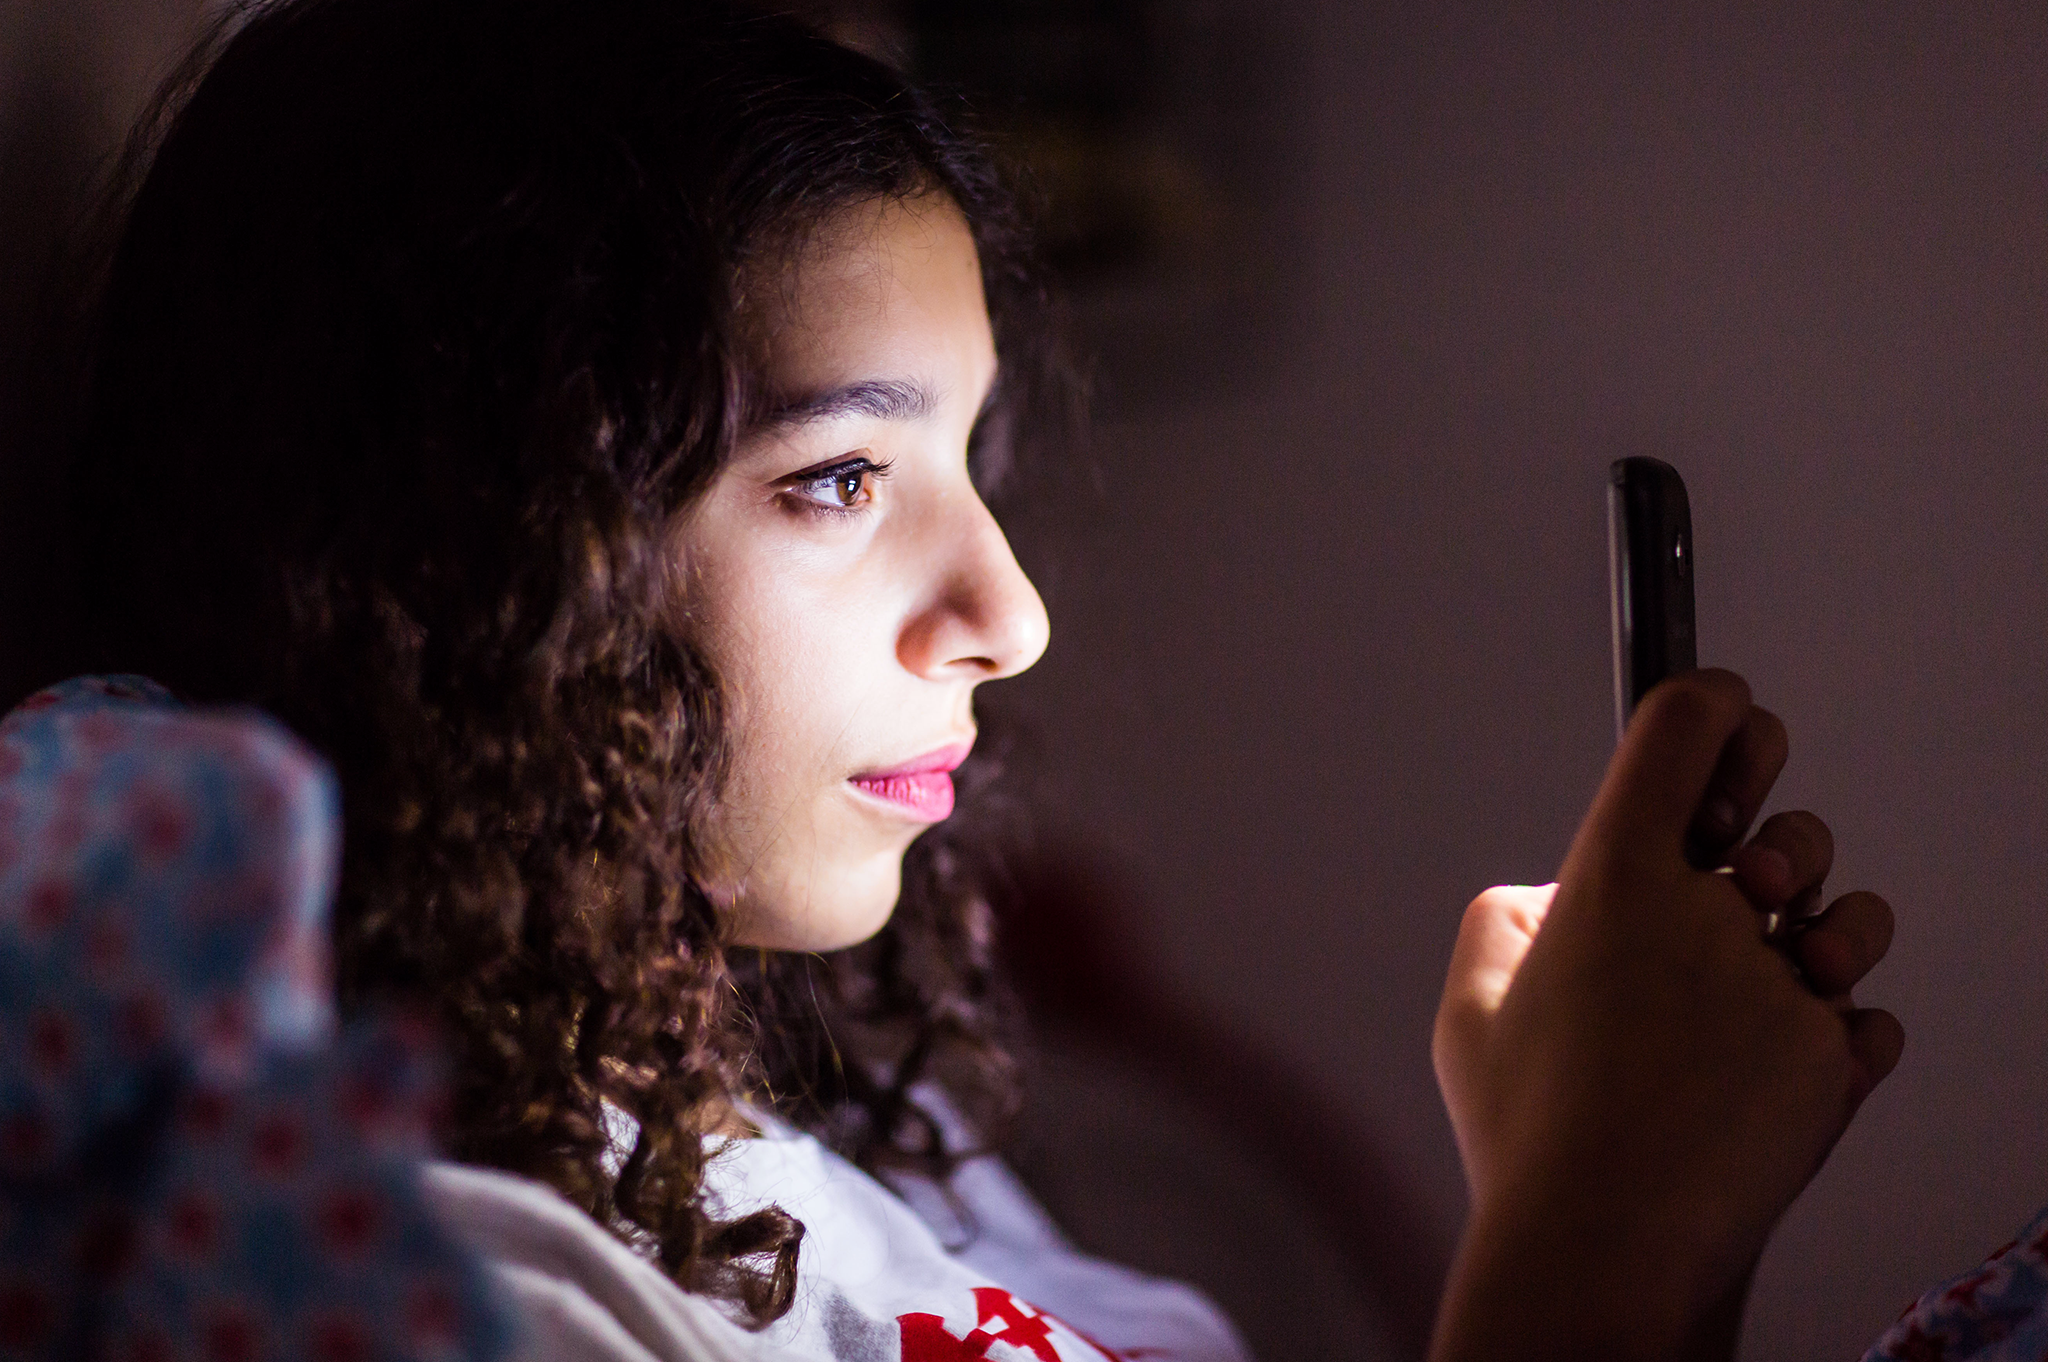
(981, 619)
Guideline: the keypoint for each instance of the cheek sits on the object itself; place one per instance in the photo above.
(806, 655)
(806, 662)
(803, 674)
(793, 697)
(790, 855)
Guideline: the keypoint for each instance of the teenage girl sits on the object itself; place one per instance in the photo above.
(574, 418)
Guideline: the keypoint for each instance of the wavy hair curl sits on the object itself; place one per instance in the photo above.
(419, 333)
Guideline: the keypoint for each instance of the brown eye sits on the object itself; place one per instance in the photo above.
(848, 487)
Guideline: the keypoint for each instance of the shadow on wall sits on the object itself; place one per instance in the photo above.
(73, 78)
(1156, 1137)
(45, 144)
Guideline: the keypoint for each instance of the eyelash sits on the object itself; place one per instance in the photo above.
(863, 468)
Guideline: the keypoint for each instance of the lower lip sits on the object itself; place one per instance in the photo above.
(927, 795)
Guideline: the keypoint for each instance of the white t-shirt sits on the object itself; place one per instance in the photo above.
(918, 1277)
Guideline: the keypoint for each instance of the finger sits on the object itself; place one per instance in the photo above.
(1665, 763)
(1498, 928)
(1876, 1040)
(1748, 767)
(1783, 867)
(1764, 875)
(1844, 944)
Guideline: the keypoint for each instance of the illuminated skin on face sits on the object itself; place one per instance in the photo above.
(845, 580)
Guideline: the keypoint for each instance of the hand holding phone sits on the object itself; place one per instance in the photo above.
(1631, 1071)
(1638, 1084)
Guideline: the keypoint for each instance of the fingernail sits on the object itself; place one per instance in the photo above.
(1771, 866)
(1720, 814)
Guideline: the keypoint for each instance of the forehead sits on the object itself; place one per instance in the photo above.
(888, 287)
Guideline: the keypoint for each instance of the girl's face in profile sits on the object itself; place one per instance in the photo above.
(844, 578)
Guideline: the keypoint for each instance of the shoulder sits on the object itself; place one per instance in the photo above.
(583, 1295)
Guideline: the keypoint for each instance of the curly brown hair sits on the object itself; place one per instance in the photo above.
(419, 334)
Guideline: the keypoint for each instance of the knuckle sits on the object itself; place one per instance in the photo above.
(1523, 906)
(1805, 832)
(1730, 690)
(1765, 744)
(1803, 839)
(1771, 730)
(1495, 899)
(1698, 699)
(1823, 1037)
(1873, 926)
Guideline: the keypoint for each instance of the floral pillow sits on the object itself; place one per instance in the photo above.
(193, 1163)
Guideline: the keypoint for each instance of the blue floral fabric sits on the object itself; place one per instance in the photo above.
(1998, 1313)
(193, 1165)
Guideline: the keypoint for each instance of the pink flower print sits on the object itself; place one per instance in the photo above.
(106, 949)
(48, 907)
(222, 1035)
(380, 1113)
(52, 1041)
(347, 1221)
(26, 1141)
(142, 1020)
(1920, 1346)
(1965, 1292)
(263, 802)
(299, 959)
(102, 730)
(252, 895)
(338, 1338)
(28, 1312)
(68, 826)
(162, 822)
(364, 1105)
(207, 1112)
(107, 1244)
(11, 760)
(66, 831)
(230, 1333)
(192, 1222)
(146, 1343)
(277, 1145)
(433, 1319)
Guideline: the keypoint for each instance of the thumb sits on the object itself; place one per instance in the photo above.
(1663, 767)
(1498, 929)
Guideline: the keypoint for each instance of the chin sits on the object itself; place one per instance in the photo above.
(865, 910)
(844, 910)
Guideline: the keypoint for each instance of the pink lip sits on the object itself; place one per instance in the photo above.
(922, 786)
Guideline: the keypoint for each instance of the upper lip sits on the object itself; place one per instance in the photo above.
(939, 759)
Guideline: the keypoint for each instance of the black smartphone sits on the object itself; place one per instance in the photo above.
(1649, 542)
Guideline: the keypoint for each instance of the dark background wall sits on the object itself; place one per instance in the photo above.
(1330, 635)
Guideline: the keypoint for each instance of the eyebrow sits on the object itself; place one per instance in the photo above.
(884, 399)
